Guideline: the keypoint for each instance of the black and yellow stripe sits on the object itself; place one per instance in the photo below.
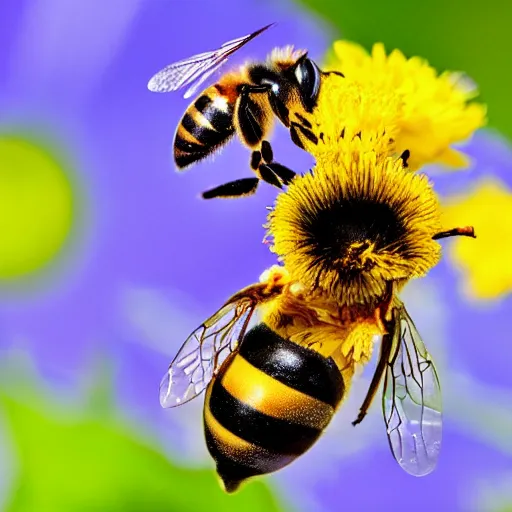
(268, 405)
(204, 127)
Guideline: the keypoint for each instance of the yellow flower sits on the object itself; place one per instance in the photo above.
(486, 261)
(349, 112)
(353, 223)
(402, 102)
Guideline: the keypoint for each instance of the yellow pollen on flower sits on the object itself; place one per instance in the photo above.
(486, 261)
(354, 222)
(396, 104)
(365, 119)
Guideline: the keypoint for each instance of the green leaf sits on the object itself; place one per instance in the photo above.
(70, 461)
(459, 35)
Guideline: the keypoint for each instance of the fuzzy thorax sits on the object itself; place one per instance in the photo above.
(356, 221)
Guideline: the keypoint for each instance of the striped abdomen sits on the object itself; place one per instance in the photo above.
(269, 403)
(206, 125)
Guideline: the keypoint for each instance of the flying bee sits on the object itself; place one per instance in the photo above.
(350, 234)
(242, 102)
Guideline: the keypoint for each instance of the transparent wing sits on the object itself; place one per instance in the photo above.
(179, 74)
(412, 400)
(201, 78)
(204, 351)
(198, 67)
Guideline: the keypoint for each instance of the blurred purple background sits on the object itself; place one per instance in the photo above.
(148, 260)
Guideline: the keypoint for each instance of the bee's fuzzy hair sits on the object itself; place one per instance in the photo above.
(355, 222)
(285, 57)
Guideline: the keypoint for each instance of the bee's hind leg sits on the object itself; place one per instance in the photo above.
(232, 189)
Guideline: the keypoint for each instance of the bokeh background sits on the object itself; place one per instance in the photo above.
(108, 259)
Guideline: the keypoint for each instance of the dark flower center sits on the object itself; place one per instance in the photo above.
(334, 231)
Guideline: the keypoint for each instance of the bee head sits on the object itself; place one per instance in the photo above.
(295, 69)
(353, 223)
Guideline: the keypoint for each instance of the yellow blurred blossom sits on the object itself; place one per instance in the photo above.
(36, 207)
(486, 261)
(401, 103)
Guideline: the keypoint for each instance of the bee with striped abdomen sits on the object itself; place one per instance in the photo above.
(268, 399)
(350, 234)
(244, 103)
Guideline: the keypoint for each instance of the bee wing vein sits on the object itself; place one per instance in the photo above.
(203, 352)
(412, 400)
(198, 67)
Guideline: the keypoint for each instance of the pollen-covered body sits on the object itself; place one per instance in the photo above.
(355, 223)
(324, 324)
(273, 398)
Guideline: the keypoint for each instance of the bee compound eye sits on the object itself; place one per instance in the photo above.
(307, 75)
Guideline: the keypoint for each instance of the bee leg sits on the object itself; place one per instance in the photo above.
(255, 160)
(294, 134)
(266, 151)
(284, 174)
(250, 116)
(306, 132)
(384, 355)
(465, 231)
(273, 173)
(267, 174)
(338, 73)
(385, 352)
(405, 157)
(237, 188)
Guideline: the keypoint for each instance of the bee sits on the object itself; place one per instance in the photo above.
(349, 235)
(243, 103)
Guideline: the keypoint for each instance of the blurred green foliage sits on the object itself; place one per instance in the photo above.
(460, 35)
(72, 459)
